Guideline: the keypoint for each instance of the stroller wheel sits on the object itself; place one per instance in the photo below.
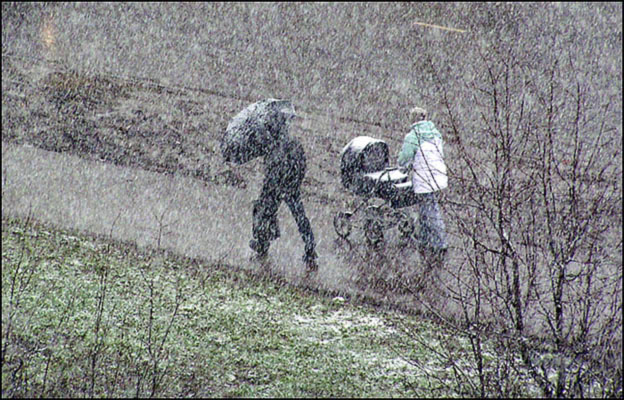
(342, 224)
(373, 230)
(405, 225)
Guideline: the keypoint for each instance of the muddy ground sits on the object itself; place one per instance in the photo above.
(149, 126)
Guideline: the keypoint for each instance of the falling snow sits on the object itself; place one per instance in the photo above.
(113, 116)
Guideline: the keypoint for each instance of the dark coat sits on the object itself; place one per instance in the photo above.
(284, 170)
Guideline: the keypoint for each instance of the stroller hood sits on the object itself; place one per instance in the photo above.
(360, 156)
(364, 171)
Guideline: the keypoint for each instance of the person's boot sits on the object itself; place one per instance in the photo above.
(440, 258)
(433, 260)
(309, 258)
(261, 249)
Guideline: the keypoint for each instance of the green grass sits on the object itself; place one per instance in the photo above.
(88, 317)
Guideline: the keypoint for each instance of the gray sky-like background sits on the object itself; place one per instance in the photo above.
(363, 61)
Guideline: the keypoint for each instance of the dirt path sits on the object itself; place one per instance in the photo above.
(183, 215)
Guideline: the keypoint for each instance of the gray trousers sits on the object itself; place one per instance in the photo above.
(431, 232)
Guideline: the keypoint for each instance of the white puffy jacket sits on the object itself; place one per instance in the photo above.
(423, 147)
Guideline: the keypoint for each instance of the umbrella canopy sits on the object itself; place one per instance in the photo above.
(251, 130)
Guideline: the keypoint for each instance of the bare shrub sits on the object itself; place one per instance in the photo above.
(535, 207)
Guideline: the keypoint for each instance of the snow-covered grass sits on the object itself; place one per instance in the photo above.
(83, 316)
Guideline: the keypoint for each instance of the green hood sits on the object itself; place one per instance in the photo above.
(425, 130)
(422, 131)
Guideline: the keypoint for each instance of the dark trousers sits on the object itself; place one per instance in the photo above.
(265, 225)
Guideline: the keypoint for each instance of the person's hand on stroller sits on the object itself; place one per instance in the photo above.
(405, 168)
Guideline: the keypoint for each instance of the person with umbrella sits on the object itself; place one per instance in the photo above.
(262, 130)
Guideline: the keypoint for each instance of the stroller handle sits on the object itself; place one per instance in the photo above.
(387, 171)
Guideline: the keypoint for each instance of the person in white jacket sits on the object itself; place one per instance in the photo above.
(423, 151)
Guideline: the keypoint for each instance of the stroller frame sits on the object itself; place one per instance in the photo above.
(365, 172)
(376, 219)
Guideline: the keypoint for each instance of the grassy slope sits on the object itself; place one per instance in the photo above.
(82, 316)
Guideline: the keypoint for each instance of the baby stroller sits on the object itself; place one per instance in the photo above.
(365, 172)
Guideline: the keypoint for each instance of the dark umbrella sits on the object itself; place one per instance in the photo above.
(249, 132)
